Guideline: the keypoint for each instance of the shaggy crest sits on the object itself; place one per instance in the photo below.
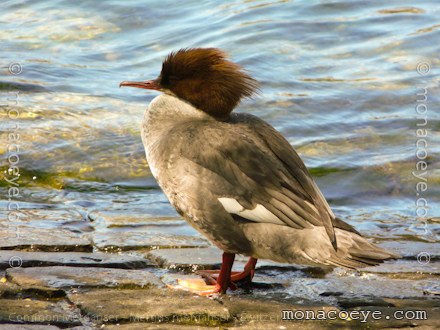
(205, 78)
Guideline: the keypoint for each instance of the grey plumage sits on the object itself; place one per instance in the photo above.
(242, 185)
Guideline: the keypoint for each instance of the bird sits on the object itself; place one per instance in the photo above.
(235, 178)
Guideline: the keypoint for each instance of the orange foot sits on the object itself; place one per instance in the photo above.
(235, 276)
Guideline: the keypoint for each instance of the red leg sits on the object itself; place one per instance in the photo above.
(224, 277)
(247, 273)
(222, 282)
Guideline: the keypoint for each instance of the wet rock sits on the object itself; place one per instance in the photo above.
(78, 259)
(405, 269)
(74, 277)
(10, 326)
(363, 301)
(150, 306)
(38, 312)
(432, 289)
(414, 250)
(287, 325)
(12, 290)
(124, 218)
(123, 241)
(264, 314)
(291, 271)
(8, 289)
(414, 302)
(253, 314)
(187, 259)
(192, 259)
(146, 326)
(39, 239)
(48, 216)
(398, 317)
(366, 287)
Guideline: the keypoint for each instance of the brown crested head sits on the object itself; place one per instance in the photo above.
(205, 78)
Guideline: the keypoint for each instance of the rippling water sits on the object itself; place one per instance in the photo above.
(340, 79)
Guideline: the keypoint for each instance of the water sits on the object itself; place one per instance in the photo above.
(339, 80)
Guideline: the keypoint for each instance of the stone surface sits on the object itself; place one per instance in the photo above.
(364, 287)
(188, 259)
(206, 258)
(122, 241)
(11, 290)
(410, 269)
(394, 317)
(152, 306)
(136, 299)
(74, 277)
(254, 314)
(287, 325)
(38, 311)
(388, 302)
(432, 289)
(146, 326)
(10, 326)
(48, 216)
(39, 239)
(264, 314)
(79, 259)
(122, 219)
(413, 250)
(8, 289)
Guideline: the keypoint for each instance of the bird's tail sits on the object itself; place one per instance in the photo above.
(354, 251)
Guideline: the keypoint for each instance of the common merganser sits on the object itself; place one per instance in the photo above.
(236, 179)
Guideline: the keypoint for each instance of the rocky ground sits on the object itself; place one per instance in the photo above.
(88, 279)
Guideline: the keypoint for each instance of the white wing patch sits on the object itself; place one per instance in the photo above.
(258, 214)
